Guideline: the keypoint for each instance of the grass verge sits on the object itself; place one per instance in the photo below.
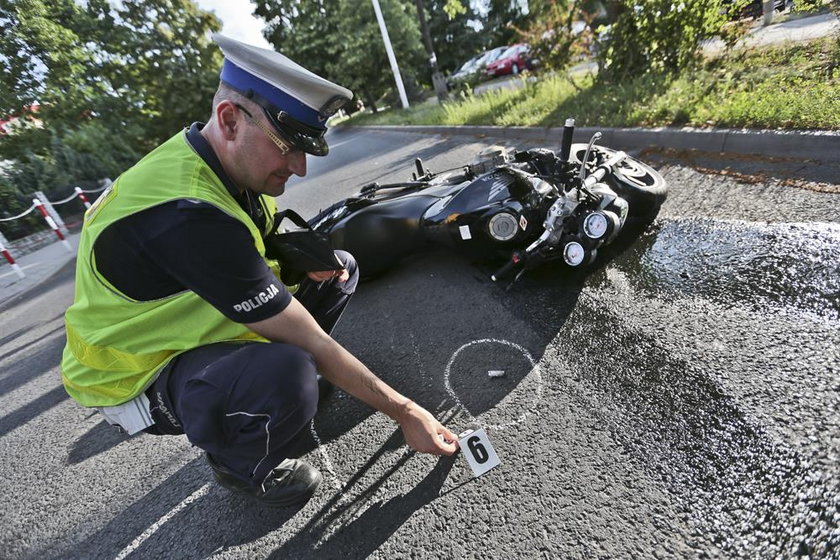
(789, 86)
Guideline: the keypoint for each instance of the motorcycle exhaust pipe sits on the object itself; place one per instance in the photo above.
(566, 142)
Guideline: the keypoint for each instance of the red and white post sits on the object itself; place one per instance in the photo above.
(82, 197)
(40, 206)
(11, 260)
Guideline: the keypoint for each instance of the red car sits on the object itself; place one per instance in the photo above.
(512, 61)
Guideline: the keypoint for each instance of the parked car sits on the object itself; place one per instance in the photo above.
(753, 8)
(472, 71)
(512, 61)
(462, 73)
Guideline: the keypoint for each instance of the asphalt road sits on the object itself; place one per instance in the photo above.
(680, 401)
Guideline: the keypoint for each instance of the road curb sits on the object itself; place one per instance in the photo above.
(814, 145)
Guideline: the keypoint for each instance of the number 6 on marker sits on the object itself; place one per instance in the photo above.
(478, 451)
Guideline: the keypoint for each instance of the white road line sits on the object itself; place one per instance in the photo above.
(327, 463)
(135, 544)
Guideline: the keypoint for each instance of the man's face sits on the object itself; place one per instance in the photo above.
(259, 163)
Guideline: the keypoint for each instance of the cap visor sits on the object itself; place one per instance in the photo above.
(314, 145)
(308, 139)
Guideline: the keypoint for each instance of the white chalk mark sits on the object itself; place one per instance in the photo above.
(416, 350)
(534, 368)
(336, 482)
(135, 544)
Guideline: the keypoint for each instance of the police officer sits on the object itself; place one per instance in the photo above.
(180, 324)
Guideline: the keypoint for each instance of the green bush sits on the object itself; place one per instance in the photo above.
(658, 36)
(793, 86)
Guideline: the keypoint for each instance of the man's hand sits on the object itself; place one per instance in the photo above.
(321, 276)
(294, 325)
(424, 433)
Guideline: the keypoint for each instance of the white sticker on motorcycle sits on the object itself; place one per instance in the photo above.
(523, 223)
(465, 232)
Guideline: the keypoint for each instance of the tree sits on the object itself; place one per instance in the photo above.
(112, 82)
(306, 32)
(502, 19)
(143, 69)
(340, 40)
(83, 155)
(455, 33)
(657, 35)
(553, 33)
(364, 64)
(163, 61)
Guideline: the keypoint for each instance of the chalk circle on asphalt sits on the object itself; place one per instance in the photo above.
(499, 402)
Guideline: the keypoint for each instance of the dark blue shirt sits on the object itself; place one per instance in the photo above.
(192, 245)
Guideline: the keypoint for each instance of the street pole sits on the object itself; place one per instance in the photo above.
(437, 78)
(391, 58)
(768, 12)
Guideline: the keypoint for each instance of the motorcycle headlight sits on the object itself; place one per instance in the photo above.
(597, 225)
(574, 253)
(601, 224)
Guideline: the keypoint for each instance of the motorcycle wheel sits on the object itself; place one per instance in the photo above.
(639, 184)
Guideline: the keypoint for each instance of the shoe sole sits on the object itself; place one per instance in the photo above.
(297, 500)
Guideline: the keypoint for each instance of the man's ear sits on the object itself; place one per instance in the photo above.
(227, 115)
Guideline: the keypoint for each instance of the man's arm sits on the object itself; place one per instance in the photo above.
(294, 325)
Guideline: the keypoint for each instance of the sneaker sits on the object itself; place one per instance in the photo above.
(290, 483)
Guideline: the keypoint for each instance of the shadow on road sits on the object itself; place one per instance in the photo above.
(366, 532)
(408, 324)
(98, 439)
(216, 519)
(27, 368)
(32, 410)
(31, 364)
(46, 335)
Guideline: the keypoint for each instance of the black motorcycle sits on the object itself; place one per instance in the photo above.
(528, 207)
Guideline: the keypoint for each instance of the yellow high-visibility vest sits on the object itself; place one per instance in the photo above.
(116, 345)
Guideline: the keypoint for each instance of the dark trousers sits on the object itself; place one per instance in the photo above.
(246, 403)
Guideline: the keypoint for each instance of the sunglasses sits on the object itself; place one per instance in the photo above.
(285, 148)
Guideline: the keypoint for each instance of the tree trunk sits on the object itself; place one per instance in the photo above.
(370, 100)
(438, 82)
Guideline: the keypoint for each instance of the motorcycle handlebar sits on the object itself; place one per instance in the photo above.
(603, 169)
(515, 260)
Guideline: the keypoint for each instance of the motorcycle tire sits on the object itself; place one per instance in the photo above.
(639, 184)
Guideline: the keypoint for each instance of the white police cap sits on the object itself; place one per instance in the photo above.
(296, 101)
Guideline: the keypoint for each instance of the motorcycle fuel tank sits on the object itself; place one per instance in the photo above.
(484, 216)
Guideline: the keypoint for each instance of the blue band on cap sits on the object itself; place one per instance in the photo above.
(244, 80)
